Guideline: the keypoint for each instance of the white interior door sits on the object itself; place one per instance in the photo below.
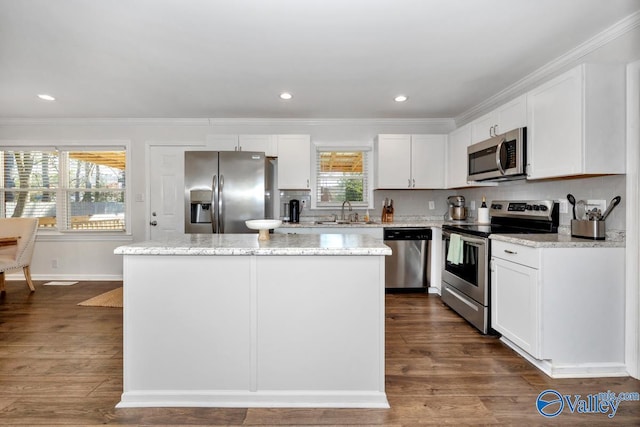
(166, 191)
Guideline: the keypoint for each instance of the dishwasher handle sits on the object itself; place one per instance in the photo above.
(407, 233)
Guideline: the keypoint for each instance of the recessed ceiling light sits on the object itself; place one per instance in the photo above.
(400, 98)
(46, 97)
(286, 95)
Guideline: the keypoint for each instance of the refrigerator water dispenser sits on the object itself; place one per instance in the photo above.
(201, 206)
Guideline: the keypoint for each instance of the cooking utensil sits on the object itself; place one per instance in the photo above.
(613, 204)
(581, 209)
(594, 214)
(572, 200)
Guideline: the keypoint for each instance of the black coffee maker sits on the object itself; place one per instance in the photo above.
(294, 210)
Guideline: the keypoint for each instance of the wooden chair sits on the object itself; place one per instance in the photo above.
(17, 240)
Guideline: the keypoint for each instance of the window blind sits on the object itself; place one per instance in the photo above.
(340, 176)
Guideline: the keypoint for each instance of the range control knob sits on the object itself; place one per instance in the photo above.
(544, 208)
(528, 207)
(536, 207)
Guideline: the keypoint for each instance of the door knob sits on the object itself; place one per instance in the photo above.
(154, 223)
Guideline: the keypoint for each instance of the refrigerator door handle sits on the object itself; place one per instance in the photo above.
(221, 204)
(214, 202)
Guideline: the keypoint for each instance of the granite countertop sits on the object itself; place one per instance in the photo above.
(409, 222)
(248, 244)
(553, 240)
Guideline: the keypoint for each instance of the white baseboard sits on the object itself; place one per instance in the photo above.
(79, 277)
(259, 399)
(575, 370)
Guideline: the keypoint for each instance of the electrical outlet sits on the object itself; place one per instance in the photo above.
(564, 206)
(432, 205)
(54, 263)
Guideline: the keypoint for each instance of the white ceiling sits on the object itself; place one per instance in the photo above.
(231, 58)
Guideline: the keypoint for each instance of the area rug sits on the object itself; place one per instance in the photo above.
(108, 299)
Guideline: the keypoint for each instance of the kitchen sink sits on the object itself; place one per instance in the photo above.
(343, 222)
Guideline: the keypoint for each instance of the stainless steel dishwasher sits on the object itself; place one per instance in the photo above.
(408, 268)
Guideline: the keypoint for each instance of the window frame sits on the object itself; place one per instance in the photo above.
(367, 152)
(62, 191)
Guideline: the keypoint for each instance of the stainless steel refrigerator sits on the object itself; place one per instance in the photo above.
(225, 188)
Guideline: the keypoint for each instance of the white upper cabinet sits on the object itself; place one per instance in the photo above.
(267, 144)
(409, 161)
(392, 161)
(294, 162)
(509, 116)
(428, 153)
(576, 123)
(264, 143)
(457, 159)
(222, 142)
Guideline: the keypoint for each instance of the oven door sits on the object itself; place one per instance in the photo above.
(471, 275)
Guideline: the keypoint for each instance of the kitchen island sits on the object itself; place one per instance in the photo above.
(230, 321)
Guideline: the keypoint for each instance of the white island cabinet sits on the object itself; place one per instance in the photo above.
(230, 321)
(560, 305)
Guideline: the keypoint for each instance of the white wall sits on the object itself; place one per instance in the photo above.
(91, 258)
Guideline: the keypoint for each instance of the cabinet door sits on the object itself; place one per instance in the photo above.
(428, 153)
(511, 115)
(457, 169)
(222, 142)
(554, 145)
(294, 162)
(484, 127)
(263, 143)
(393, 161)
(515, 304)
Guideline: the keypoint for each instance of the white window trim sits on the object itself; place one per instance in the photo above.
(88, 145)
(368, 152)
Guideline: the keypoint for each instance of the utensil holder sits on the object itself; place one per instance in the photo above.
(595, 230)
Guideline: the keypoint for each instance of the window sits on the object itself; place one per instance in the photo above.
(340, 176)
(67, 189)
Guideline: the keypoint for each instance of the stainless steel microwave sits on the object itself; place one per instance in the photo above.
(500, 158)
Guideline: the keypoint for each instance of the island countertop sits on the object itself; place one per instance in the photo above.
(248, 244)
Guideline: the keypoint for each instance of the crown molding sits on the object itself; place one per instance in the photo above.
(103, 121)
(331, 121)
(551, 68)
(446, 122)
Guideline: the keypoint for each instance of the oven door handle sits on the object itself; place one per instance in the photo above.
(470, 240)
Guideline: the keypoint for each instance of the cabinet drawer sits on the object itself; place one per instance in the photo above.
(516, 253)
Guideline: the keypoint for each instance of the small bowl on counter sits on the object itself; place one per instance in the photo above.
(263, 226)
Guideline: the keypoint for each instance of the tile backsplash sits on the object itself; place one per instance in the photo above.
(593, 188)
(432, 204)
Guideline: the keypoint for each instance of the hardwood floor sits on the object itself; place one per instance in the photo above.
(61, 364)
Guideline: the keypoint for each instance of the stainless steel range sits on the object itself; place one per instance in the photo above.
(467, 251)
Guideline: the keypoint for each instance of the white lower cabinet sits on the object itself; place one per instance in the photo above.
(562, 308)
(514, 297)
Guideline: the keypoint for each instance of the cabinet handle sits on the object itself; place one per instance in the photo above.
(307, 183)
(511, 252)
(414, 183)
(409, 183)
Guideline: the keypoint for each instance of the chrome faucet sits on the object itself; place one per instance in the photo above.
(342, 210)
